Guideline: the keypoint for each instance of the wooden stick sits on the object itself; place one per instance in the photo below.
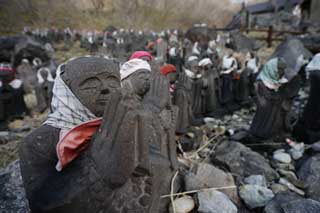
(171, 191)
(198, 190)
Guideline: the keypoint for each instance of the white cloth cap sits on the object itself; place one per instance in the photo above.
(193, 58)
(205, 62)
(132, 66)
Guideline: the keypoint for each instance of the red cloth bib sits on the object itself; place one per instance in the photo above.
(75, 141)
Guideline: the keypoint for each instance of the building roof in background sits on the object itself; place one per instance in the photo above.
(271, 6)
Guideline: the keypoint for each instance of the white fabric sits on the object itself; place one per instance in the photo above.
(40, 78)
(193, 58)
(172, 52)
(314, 63)
(191, 74)
(195, 49)
(227, 62)
(16, 83)
(0, 83)
(68, 111)
(205, 62)
(252, 64)
(132, 66)
(37, 61)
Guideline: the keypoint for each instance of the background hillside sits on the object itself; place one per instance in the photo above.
(96, 14)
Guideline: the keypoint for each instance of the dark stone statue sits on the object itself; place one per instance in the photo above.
(211, 90)
(308, 126)
(197, 85)
(272, 118)
(43, 89)
(130, 160)
(182, 99)
(12, 104)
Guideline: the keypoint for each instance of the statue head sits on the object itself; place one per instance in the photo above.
(135, 77)
(92, 80)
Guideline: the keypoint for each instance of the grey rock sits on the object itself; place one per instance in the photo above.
(282, 157)
(215, 202)
(255, 196)
(242, 161)
(303, 205)
(286, 183)
(309, 173)
(256, 180)
(274, 206)
(278, 188)
(204, 175)
(316, 147)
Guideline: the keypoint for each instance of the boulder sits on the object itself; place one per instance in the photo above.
(242, 161)
(204, 175)
(303, 205)
(274, 206)
(309, 173)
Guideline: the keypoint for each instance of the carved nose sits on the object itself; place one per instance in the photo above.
(105, 91)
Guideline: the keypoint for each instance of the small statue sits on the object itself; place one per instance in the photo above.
(229, 67)
(195, 76)
(211, 87)
(43, 88)
(308, 126)
(12, 104)
(274, 98)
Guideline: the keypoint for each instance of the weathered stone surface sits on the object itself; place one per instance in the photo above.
(204, 175)
(255, 196)
(12, 194)
(243, 161)
(215, 202)
(274, 206)
(259, 180)
(309, 173)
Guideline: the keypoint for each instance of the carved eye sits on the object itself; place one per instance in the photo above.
(90, 84)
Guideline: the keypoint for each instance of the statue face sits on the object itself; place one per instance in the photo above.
(92, 82)
(140, 82)
(172, 77)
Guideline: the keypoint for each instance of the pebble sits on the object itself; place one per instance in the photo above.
(285, 182)
(183, 204)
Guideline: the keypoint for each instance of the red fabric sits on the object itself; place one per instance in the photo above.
(167, 69)
(76, 141)
(140, 54)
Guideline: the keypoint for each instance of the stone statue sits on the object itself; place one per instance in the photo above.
(274, 98)
(195, 76)
(182, 99)
(308, 126)
(43, 88)
(128, 163)
(12, 104)
(211, 89)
